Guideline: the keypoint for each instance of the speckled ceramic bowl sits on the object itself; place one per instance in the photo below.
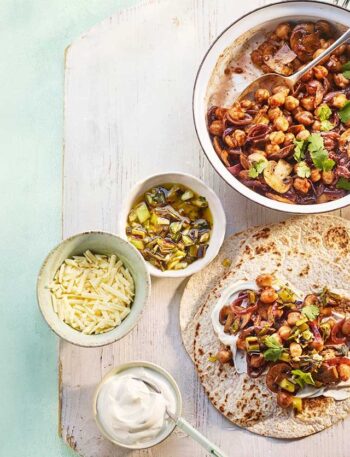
(101, 243)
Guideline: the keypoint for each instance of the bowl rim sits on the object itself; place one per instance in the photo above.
(233, 182)
(218, 227)
(111, 339)
(122, 367)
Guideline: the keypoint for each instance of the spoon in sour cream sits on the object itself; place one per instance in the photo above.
(186, 426)
(271, 80)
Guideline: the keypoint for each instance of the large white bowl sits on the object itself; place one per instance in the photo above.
(215, 206)
(101, 243)
(266, 17)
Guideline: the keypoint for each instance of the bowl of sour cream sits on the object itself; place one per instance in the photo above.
(130, 414)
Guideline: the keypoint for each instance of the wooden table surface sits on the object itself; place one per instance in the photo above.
(128, 92)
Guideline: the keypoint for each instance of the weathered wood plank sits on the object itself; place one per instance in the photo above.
(128, 113)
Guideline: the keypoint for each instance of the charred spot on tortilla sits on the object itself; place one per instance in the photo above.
(262, 234)
(337, 237)
(304, 271)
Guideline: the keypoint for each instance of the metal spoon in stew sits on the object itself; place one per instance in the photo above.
(271, 80)
(186, 426)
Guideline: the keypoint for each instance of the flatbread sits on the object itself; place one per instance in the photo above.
(308, 252)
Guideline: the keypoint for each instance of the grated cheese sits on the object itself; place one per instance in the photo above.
(92, 293)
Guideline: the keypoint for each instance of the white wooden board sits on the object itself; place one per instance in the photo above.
(128, 90)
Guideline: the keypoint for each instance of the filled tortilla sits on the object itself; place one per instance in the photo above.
(305, 253)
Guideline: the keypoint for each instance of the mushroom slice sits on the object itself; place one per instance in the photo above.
(275, 175)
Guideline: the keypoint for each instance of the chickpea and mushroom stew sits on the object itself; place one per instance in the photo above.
(171, 226)
(291, 147)
(296, 342)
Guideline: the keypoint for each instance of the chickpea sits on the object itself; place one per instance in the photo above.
(246, 104)
(284, 332)
(277, 338)
(302, 185)
(340, 80)
(318, 345)
(339, 100)
(327, 177)
(281, 123)
(291, 103)
(272, 149)
(308, 102)
(346, 327)
(289, 138)
(224, 356)
(261, 95)
(315, 175)
(308, 75)
(327, 311)
(293, 317)
(281, 89)
(277, 99)
(304, 117)
(344, 371)
(216, 128)
(264, 280)
(220, 113)
(320, 72)
(295, 350)
(268, 295)
(236, 113)
(274, 113)
(310, 299)
(283, 31)
(316, 126)
(239, 137)
(277, 137)
(317, 53)
(303, 135)
(284, 400)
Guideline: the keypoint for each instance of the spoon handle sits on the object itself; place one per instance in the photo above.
(201, 439)
(325, 53)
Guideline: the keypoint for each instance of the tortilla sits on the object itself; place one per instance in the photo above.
(307, 252)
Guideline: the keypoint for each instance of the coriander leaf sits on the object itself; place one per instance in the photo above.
(275, 349)
(344, 113)
(299, 150)
(310, 311)
(343, 183)
(326, 126)
(323, 112)
(303, 171)
(318, 153)
(346, 66)
(328, 165)
(346, 74)
(256, 168)
(301, 378)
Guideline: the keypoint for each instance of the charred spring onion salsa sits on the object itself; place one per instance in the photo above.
(293, 147)
(171, 226)
(301, 345)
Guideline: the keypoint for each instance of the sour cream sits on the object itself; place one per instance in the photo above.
(228, 296)
(339, 392)
(131, 413)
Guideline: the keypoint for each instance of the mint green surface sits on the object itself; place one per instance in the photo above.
(33, 36)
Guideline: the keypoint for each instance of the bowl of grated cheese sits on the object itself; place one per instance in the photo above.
(92, 288)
